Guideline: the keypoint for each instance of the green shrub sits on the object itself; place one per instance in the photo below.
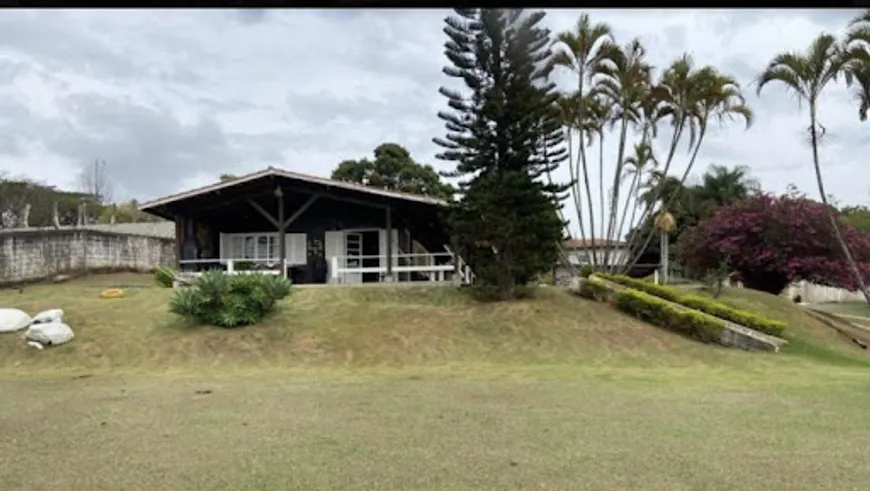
(593, 289)
(735, 315)
(586, 270)
(230, 300)
(644, 286)
(706, 305)
(656, 311)
(164, 276)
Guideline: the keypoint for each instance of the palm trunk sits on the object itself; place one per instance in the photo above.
(851, 260)
(663, 251)
(614, 199)
(654, 198)
(601, 175)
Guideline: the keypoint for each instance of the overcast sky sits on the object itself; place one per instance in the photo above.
(172, 99)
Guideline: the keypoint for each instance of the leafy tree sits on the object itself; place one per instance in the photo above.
(858, 217)
(393, 168)
(618, 96)
(691, 204)
(503, 136)
(772, 241)
(16, 194)
(807, 75)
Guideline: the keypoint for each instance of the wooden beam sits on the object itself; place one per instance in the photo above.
(282, 235)
(265, 213)
(389, 219)
(299, 212)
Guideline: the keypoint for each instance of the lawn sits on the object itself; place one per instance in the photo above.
(496, 429)
(856, 309)
(422, 389)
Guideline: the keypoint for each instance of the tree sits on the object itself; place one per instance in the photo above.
(394, 169)
(618, 96)
(503, 137)
(857, 66)
(858, 217)
(94, 180)
(772, 241)
(691, 204)
(807, 75)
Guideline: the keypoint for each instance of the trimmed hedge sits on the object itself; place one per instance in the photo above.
(593, 289)
(706, 305)
(656, 311)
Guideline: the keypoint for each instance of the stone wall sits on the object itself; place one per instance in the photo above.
(35, 254)
(813, 293)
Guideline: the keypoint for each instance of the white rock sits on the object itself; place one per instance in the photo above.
(48, 316)
(50, 334)
(12, 320)
(34, 344)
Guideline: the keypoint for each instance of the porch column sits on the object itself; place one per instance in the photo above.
(282, 237)
(389, 276)
(179, 240)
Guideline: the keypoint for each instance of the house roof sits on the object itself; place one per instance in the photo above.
(588, 243)
(274, 172)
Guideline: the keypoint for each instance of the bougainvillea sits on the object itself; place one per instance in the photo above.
(771, 241)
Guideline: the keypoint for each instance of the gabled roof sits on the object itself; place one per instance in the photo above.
(274, 172)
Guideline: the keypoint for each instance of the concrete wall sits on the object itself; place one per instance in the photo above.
(35, 254)
(812, 293)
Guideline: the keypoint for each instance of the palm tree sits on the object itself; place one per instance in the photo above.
(664, 223)
(722, 185)
(857, 47)
(692, 98)
(584, 51)
(625, 83)
(807, 74)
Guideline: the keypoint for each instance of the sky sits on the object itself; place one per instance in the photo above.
(172, 99)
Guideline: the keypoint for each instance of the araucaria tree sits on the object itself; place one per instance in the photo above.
(504, 135)
(771, 241)
(617, 97)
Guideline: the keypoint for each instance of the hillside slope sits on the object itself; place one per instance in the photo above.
(365, 326)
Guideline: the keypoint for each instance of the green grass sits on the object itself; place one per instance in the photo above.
(425, 430)
(419, 388)
(857, 309)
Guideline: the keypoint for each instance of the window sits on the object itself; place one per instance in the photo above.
(264, 247)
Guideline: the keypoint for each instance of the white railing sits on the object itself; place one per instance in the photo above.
(436, 267)
(196, 267)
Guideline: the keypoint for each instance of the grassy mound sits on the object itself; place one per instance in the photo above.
(810, 335)
(377, 326)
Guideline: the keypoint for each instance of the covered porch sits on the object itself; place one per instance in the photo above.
(311, 230)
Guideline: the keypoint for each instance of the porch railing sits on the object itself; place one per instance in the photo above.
(196, 267)
(436, 267)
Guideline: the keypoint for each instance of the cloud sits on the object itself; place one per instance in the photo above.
(171, 99)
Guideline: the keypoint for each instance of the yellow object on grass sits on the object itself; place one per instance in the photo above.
(112, 293)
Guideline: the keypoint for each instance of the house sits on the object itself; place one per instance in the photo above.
(580, 252)
(583, 251)
(310, 229)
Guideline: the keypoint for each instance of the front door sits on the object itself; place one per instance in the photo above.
(353, 247)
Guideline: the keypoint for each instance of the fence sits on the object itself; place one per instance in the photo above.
(36, 254)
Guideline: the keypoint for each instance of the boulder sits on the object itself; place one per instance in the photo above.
(12, 320)
(49, 334)
(48, 316)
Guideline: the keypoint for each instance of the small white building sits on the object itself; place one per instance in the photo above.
(590, 251)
